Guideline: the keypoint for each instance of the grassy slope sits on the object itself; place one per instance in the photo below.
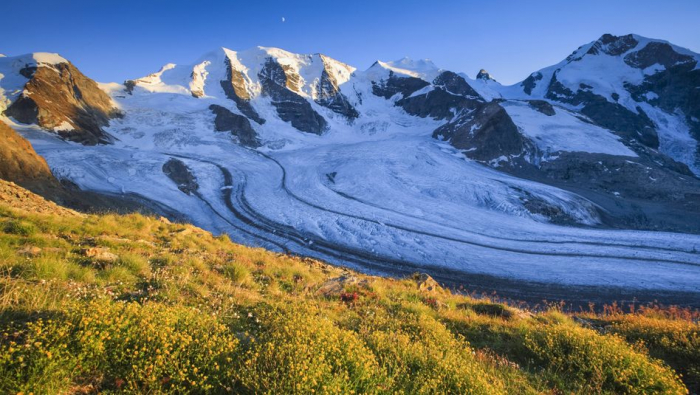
(176, 309)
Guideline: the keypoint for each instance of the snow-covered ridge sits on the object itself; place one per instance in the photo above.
(424, 69)
(592, 65)
(205, 75)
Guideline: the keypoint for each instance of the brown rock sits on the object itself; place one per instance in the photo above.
(19, 162)
(336, 286)
(30, 251)
(426, 283)
(100, 254)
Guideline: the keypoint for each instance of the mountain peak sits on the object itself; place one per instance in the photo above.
(484, 75)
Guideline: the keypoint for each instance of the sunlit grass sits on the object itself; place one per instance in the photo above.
(181, 311)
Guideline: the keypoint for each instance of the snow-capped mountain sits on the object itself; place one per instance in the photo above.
(401, 165)
(644, 90)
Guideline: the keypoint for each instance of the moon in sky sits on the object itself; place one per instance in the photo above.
(283, 19)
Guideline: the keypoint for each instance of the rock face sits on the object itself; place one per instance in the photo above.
(657, 53)
(328, 94)
(235, 89)
(60, 98)
(487, 134)
(19, 163)
(629, 125)
(290, 106)
(238, 125)
(181, 175)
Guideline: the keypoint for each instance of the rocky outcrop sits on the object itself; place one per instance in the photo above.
(542, 106)
(290, 106)
(338, 285)
(234, 88)
(613, 45)
(181, 175)
(676, 90)
(486, 134)
(129, 86)
(450, 95)
(394, 84)
(427, 284)
(657, 53)
(60, 98)
(238, 125)
(456, 85)
(530, 82)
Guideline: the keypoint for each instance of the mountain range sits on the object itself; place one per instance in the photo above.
(585, 174)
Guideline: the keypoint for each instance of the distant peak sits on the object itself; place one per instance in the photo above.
(484, 75)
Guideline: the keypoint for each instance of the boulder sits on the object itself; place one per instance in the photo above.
(337, 285)
(181, 175)
(426, 283)
(30, 251)
(100, 254)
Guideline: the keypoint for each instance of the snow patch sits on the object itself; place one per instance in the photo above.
(563, 131)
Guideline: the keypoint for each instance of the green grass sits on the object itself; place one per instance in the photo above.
(182, 311)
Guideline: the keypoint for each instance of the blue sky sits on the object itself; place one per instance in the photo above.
(113, 40)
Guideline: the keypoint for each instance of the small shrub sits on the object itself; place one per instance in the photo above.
(587, 362)
(492, 309)
(20, 228)
(349, 297)
(237, 273)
